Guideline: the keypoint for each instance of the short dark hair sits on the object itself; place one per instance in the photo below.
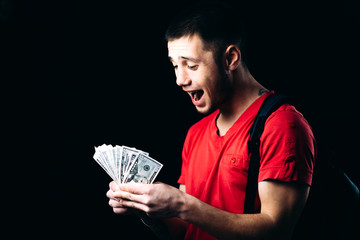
(217, 24)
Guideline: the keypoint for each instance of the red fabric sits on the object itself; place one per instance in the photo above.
(214, 168)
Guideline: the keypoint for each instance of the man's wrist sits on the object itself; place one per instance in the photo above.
(188, 207)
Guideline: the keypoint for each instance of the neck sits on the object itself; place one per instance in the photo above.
(245, 91)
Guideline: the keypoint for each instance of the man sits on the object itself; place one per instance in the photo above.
(205, 46)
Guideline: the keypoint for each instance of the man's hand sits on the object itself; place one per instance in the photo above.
(116, 203)
(148, 201)
(156, 200)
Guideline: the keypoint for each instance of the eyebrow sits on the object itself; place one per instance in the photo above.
(195, 60)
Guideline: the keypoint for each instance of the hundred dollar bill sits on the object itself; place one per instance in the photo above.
(97, 159)
(143, 170)
(118, 155)
(128, 155)
(124, 164)
(106, 156)
(100, 158)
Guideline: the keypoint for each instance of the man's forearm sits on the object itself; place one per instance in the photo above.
(218, 223)
(281, 206)
(226, 225)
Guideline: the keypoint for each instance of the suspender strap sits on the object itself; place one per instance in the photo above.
(270, 104)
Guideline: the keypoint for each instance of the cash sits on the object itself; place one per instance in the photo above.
(125, 164)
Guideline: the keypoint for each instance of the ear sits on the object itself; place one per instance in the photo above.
(232, 57)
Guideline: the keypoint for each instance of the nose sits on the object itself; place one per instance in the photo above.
(182, 77)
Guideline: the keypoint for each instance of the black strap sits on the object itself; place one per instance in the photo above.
(270, 104)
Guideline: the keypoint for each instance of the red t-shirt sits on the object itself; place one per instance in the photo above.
(215, 168)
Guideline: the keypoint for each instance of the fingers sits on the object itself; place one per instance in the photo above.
(133, 192)
(115, 203)
(135, 188)
(125, 211)
(127, 195)
(119, 194)
(110, 194)
(126, 198)
(113, 186)
(135, 205)
(119, 208)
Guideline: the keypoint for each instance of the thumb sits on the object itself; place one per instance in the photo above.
(113, 186)
(135, 188)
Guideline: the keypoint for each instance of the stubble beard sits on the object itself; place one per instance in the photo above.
(222, 94)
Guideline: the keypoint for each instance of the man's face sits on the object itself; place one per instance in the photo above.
(198, 74)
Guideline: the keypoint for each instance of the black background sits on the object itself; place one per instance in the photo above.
(77, 74)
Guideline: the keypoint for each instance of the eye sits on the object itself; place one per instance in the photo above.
(193, 67)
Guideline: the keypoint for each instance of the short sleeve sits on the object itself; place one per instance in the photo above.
(288, 148)
(184, 156)
(181, 179)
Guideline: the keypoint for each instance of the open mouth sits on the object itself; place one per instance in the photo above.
(196, 95)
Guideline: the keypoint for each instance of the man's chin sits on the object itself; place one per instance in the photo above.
(206, 110)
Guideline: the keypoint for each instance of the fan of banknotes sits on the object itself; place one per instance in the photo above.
(125, 164)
